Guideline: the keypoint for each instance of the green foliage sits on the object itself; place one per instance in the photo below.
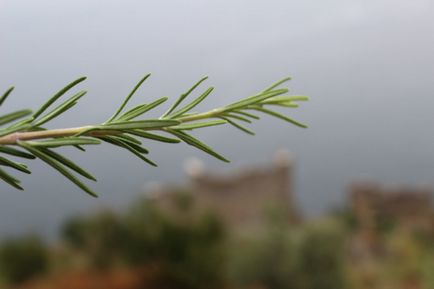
(187, 248)
(310, 257)
(264, 260)
(101, 237)
(25, 129)
(22, 259)
(346, 218)
(320, 258)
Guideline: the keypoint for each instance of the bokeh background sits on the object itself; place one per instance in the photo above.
(367, 66)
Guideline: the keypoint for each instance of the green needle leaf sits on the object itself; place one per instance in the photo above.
(278, 115)
(126, 141)
(13, 129)
(68, 163)
(132, 110)
(247, 114)
(14, 165)
(57, 96)
(229, 115)
(129, 97)
(238, 126)
(65, 141)
(276, 84)
(283, 104)
(14, 152)
(10, 180)
(153, 136)
(128, 147)
(255, 99)
(141, 109)
(285, 101)
(199, 125)
(61, 108)
(6, 94)
(140, 124)
(7, 118)
(192, 104)
(80, 148)
(196, 143)
(57, 166)
(290, 98)
(183, 96)
(23, 122)
(129, 138)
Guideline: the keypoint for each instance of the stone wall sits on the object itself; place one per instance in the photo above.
(406, 207)
(242, 198)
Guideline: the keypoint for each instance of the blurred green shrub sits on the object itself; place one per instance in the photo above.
(100, 237)
(186, 246)
(346, 217)
(266, 262)
(308, 257)
(23, 258)
(265, 258)
(320, 258)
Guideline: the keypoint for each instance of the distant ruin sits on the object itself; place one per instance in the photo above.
(241, 198)
(376, 206)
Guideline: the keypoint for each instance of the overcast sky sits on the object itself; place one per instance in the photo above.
(368, 66)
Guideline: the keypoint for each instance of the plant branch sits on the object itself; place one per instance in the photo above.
(23, 128)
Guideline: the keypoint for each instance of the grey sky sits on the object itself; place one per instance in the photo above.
(367, 65)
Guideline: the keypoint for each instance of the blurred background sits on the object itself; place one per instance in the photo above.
(348, 207)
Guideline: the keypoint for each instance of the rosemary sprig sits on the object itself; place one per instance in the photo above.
(23, 135)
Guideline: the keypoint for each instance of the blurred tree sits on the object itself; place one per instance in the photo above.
(100, 236)
(265, 258)
(23, 258)
(320, 258)
(186, 247)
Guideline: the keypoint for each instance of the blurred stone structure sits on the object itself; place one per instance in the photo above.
(376, 206)
(377, 209)
(243, 199)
